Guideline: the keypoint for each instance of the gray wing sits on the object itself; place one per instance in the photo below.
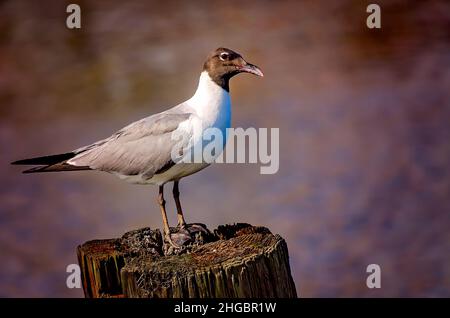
(143, 147)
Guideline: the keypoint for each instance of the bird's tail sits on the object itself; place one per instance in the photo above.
(51, 163)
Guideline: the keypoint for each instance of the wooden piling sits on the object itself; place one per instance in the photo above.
(237, 260)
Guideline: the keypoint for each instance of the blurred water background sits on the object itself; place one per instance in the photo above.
(364, 125)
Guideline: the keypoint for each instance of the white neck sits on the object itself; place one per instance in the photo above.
(209, 99)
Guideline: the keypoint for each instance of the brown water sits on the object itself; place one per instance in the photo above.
(363, 117)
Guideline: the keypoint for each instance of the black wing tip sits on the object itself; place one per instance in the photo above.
(35, 169)
(19, 162)
(56, 168)
(45, 160)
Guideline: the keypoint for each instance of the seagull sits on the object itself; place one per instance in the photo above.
(141, 153)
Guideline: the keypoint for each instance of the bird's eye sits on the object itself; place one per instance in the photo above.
(224, 56)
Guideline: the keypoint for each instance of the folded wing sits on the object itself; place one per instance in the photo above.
(143, 147)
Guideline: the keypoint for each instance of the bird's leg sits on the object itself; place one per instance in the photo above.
(185, 231)
(162, 206)
(176, 197)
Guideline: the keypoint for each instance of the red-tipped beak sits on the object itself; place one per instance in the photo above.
(253, 69)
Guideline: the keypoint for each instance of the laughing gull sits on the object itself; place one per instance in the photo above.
(142, 151)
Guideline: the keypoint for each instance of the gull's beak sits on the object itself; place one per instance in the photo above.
(250, 68)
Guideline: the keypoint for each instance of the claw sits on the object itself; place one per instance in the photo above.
(184, 236)
(179, 239)
(168, 239)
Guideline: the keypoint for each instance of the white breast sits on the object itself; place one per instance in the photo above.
(212, 105)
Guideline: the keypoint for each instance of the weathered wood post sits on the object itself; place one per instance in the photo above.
(237, 260)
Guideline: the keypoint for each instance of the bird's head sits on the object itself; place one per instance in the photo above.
(222, 64)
